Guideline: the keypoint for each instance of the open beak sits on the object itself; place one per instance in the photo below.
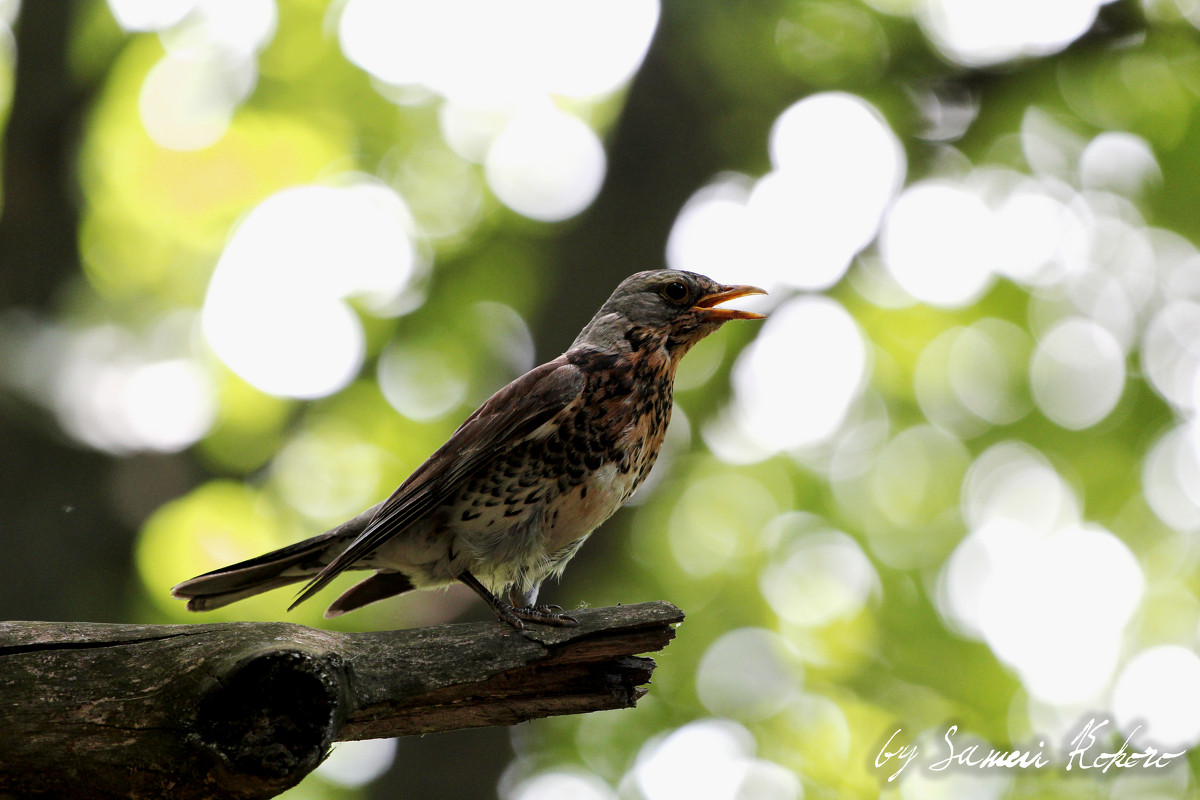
(707, 304)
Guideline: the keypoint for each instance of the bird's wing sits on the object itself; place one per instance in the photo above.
(509, 416)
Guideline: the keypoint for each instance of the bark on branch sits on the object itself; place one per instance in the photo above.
(245, 710)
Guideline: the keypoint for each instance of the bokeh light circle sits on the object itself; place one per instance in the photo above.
(485, 54)
(820, 578)
(546, 164)
(710, 759)
(562, 783)
(794, 384)
(276, 309)
(938, 243)
(1077, 373)
(1159, 689)
(1171, 478)
(982, 32)
(357, 763)
(745, 675)
(1019, 590)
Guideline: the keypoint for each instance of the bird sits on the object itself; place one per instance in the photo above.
(513, 494)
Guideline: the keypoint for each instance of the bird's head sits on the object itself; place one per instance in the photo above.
(664, 308)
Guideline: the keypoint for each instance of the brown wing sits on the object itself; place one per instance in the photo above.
(508, 416)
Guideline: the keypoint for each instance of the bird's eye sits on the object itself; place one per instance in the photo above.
(675, 291)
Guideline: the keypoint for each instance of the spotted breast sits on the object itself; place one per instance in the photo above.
(521, 519)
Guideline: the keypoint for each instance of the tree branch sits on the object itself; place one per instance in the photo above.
(245, 710)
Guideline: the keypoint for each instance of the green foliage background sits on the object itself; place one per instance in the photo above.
(101, 226)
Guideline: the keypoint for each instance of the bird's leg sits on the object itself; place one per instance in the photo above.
(513, 615)
(503, 610)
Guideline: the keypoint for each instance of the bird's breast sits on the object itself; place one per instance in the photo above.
(562, 482)
(575, 514)
(622, 434)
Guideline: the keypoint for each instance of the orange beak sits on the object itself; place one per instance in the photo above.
(707, 304)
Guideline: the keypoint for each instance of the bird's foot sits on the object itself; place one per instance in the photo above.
(517, 616)
(546, 615)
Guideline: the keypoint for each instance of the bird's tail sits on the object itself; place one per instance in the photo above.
(291, 564)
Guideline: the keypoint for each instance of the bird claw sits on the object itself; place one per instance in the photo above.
(550, 615)
(546, 615)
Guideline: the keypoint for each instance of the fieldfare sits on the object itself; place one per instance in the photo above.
(519, 487)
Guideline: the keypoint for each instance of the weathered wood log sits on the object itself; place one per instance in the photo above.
(246, 710)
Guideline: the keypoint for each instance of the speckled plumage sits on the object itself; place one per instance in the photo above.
(523, 482)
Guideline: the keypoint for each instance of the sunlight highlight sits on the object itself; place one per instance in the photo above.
(328, 472)
(714, 230)
(710, 759)
(822, 576)
(186, 103)
(1120, 162)
(982, 32)
(276, 309)
(357, 763)
(1077, 373)
(561, 783)
(210, 67)
(111, 388)
(1171, 352)
(502, 79)
(1171, 478)
(938, 244)
(1012, 481)
(503, 52)
(745, 675)
(149, 15)
(1159, 689)
(1017, 579)
(969, 378)
(546, 164)
(791, 392)
(419, 380)
(836, 164)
